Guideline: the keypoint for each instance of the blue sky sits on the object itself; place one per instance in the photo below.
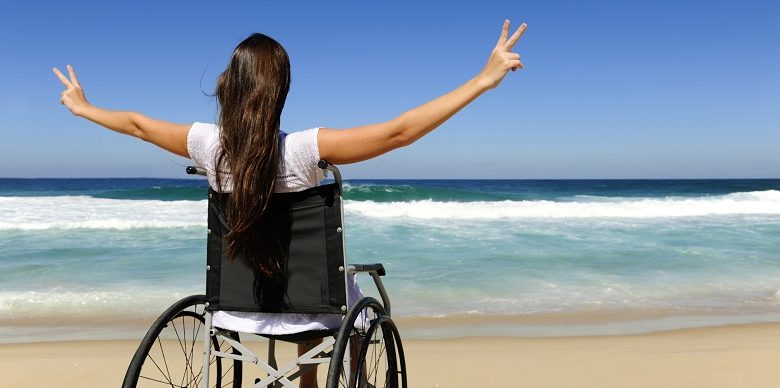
(612, 89)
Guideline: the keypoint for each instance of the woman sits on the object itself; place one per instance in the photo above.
(247, 154)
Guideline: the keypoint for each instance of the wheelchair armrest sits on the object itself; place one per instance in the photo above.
(376, 267)
(375, 270)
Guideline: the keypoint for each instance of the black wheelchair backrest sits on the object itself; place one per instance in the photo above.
(308, 224)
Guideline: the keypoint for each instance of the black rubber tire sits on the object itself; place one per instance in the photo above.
(399, 348)
(378, 366)
(371, 310)
(143, 365)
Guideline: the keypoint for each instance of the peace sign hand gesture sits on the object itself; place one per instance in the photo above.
(73, 96)
(502, 59)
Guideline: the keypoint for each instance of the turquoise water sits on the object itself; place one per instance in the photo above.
(80, 250)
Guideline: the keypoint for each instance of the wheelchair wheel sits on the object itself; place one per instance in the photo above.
(372, 340)
(378, 360)
(171, 353)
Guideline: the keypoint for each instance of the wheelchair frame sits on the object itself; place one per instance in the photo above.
(334, 349)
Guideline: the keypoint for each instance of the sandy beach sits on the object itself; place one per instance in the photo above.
(730, 356)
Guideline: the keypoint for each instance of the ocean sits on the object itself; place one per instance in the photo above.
(91, 258)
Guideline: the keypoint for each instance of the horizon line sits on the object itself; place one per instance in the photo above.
(413, 179)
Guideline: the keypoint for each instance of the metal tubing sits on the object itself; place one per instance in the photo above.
(280, 375)
(235, 357)
(382, 292)
(379, 286)
(206, 352)
(245, 353)
(336, 174)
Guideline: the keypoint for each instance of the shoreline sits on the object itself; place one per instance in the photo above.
(539, 325)
(728, 356)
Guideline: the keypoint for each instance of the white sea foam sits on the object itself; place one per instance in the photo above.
(65, 304)
(84, 212)
(758, 202)
(74, 212)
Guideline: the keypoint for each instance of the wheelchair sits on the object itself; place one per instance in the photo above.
(183, 348)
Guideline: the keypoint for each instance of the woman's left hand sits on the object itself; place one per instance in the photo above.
(73, 96)
(502, 59)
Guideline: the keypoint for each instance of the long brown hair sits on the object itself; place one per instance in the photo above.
(251, 93)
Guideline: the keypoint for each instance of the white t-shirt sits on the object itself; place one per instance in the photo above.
(298, 171)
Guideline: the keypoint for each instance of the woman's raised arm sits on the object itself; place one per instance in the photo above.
(366, 142)
(166, 135)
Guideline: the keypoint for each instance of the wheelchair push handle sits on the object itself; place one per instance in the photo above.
(325, 165)
(195, 170)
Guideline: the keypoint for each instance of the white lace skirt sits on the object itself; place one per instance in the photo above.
(279, 324)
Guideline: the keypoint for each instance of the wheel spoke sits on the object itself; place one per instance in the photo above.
(186, 358)
(182, 346)
(159, 381)
(160, 369)
(162, 352)
(176, 339)
(228, 370)
(196, 377)
(376, 364)
(192, 349)
(378, 357)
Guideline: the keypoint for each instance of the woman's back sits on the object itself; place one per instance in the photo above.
(298, 158)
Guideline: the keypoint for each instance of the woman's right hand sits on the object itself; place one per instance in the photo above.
(73, 96)
(502, 59)
(368, 141)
